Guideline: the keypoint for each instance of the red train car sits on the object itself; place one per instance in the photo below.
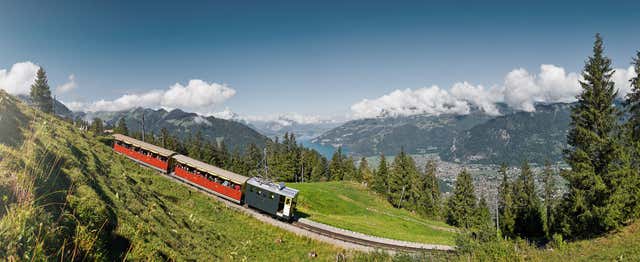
(150, 155)
(221, 182)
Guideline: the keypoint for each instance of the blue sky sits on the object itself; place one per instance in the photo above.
(309, 58)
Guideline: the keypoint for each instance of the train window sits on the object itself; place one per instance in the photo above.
(272, 196)
(288, 201)
(251, 189)
(259, 192)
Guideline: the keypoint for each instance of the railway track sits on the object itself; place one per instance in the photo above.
(359, 241)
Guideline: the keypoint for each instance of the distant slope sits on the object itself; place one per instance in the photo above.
(65, 195)
(417, 134)
(534, 136)
(473, 138)
(234, 134)
(352, 206)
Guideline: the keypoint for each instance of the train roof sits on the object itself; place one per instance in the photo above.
(153, 148)
(214, 170)
(273, 187)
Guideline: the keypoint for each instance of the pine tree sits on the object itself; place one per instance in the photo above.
(121, 127)
(319, 172)
(350, 170)
(597, 194)
(402, 174)
(482, 214)
(433, 186)
(461, 207)
(380, 181)
(365, 174)
(529, 222)
(632, 103)
(505, 204)
(97, 126)
(40, 92)
(549, 198)
(336, 168)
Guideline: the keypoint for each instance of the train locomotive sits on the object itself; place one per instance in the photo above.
(272, 198)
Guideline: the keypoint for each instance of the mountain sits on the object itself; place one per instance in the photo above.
(533, 136)
(234, 134)
(417, 134)
(473, 138)
(59, 108)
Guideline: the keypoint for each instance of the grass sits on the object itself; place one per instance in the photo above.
(352, 206)
(65, 195)
(623, 245)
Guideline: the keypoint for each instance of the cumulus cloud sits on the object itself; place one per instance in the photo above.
(226, 114)
(521, 90)
(428, 100)
(68, 86)
(197, 96)
(19, 78)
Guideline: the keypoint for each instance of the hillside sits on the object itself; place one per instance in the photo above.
(472, 138)
(234, 134)
(352, 206)
(65, 195)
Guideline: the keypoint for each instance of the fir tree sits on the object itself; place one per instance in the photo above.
(599, 166)
(350, 170)
(97, 126)
(402, 174)
(365, 174)
(121, 127)
(482, 214)
(432, 185)
(336, 168)
(505, 204)
(319, 172)
(549, 198)
(461, 207)
(632, 103)
(529, 222)
(40, 92)
(380, 180)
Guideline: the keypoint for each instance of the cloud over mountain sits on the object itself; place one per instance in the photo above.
(520, 90)
(68, 86)
(197, 96)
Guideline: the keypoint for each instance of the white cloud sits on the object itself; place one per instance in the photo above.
(288, 119)
(622, 77)
(197, 96)
(68, 86)
(19, 78)
(521, 90)
(427, 100)
(226, 114)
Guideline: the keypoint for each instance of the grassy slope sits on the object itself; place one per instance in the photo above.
(621, 246)
(64, 193)
(351, 206)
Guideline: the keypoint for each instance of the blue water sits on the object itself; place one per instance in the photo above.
(325, 150)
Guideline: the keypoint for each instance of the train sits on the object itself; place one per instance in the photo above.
(258, 193)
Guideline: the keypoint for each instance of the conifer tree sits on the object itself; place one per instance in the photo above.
(380, 180)
(529, 222)
(505, 204)
(549, 198)
(461, 206)
(350, 170)
(599, 166)
(97, 126)
(632, 103)
(482, 214)
(121, 127)
(364, 172)
(433, 186)
(319, 172)
(336, 169)
(402, 174)
(40, 92)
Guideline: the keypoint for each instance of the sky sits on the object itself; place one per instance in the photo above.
(315, 60)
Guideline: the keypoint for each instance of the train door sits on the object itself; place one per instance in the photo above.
(287, 207)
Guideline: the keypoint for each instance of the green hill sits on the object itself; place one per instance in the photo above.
(352, 206)
(65, 195)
